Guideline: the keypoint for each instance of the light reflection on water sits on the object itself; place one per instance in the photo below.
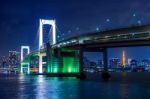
(41, 87)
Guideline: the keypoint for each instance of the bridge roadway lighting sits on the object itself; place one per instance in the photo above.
(22, 50)
(53, 24)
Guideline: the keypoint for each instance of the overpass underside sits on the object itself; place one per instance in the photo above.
(55, 61)
(62, 61)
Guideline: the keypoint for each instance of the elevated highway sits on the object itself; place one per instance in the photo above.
(131, 36)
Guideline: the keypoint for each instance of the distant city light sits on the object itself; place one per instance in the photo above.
(77, 28)
(139, 22)
(134, 14)
(97, 29)
(107, 20)
(69, 31)
(58, 36)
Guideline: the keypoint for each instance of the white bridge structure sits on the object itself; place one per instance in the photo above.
(53, 25)
(22, 57)
(42, 22)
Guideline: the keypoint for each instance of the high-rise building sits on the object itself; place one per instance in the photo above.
(134, 63)
(4, 62)
(129, 61)
(100, 63)
(114, 62)
(145, 63)
(14, 59)
(86, 62)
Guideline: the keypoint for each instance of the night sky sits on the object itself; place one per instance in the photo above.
(19, 19)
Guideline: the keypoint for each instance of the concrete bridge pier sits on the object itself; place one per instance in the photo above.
(105, 59)
(103, 50)
(81, 59)
(81, 75)
(105, 74)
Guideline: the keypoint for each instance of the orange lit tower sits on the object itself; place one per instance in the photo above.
(123, 59)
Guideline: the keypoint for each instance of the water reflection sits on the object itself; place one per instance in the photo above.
(48, 88)
(124, 91)
(41, 87)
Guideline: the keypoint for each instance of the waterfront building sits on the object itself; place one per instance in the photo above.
(129, 61)
(114, 62)
(134, 63)
(14, 60)
(146, 64)
(100, 63)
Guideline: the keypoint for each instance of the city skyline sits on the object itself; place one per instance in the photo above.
(138, 53)
(130, 52)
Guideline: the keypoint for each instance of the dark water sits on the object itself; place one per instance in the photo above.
(41, 87)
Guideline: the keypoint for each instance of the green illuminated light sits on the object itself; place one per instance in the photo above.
(55, 70)
(69, 69)
(70, 65)
(97, 29)
(67, 63)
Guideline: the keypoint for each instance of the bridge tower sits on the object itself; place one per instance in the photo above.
(41, 44)
(22, 57)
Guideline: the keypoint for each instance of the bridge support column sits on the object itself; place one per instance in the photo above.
(81, 59)
(105, 58)
(40, 63)
(28, 68)
(27, 65)
(48, 53)
(21, 69)
(22, 57)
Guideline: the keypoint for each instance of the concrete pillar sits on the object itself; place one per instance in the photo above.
(28, 68)
(21, 69)
(48, 53)
(40, 63)
(81, 59)
(105, 58)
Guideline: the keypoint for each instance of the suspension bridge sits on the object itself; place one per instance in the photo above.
(66, 56)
